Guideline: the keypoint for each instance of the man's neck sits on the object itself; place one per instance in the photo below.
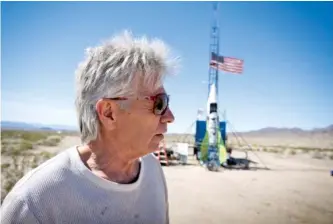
(110, 166)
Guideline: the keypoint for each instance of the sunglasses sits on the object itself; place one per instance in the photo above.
(161, 102)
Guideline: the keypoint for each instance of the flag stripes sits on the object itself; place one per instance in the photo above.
(227, 64)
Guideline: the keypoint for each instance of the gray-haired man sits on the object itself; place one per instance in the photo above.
(112, 177)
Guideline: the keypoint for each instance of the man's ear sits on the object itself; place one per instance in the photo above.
(105, 111)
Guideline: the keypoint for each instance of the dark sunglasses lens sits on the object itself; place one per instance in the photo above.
(161, 104)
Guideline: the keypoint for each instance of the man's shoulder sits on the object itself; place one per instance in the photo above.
(150, 157)
(152, 160)
(43, 176)
(153, 165)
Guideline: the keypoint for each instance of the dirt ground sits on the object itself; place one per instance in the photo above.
(296, 189)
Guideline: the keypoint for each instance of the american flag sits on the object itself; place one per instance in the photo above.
(227, 64)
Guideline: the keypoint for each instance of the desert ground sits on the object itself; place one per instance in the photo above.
(296, 188)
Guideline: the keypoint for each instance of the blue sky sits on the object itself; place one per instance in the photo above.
(287, 48)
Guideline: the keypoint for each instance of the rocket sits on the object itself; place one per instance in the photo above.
(212, 116)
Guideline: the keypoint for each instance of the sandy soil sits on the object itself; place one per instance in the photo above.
(296, 189)
(66, 143)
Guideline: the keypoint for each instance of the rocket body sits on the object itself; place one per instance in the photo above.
(213, 162)
(212, 116)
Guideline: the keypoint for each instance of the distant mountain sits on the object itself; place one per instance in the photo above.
(317, 138)
(17, 125)
(274, 131)
(327, 129)
(29, 126)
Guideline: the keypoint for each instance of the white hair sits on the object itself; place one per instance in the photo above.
(109, 71)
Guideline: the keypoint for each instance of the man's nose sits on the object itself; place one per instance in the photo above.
(168, 116)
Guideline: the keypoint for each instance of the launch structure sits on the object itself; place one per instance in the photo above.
(210, 136)
(214, 49)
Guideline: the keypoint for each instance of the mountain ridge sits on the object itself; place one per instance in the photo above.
(328, 128)
(17, 125)
(266, 130)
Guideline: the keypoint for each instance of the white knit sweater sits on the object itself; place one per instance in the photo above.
(64, 190)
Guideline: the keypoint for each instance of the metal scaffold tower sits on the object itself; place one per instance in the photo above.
(214, 48)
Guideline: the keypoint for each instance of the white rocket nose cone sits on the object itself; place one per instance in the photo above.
(211, 97)
(212, 93)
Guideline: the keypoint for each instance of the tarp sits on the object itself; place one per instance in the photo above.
(201, 139)
(201, 131)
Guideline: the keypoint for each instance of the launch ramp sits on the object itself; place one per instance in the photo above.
(243, 163)
(225, 152)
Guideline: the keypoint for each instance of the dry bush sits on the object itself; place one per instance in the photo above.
(25, 145)
(13, 141)
(273, 150)
(19, 165)
(15, 147)
(18, 156)
(50, 141)
(293, 152)
(317, 155)
(32, 136)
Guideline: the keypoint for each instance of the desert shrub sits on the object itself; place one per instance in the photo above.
(274, 151)
(292, 152)
(46, 155)
(4, 148)
(17, 146)
(5, 166)
(14, 151)
(20, 164)
(26, 145)
(317, 155)
(15, 142)
(31, 136)
(51, 141)
(8, 134)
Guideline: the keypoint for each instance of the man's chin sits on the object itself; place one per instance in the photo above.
(155, 142)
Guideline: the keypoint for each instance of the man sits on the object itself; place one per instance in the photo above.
(112, 177)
